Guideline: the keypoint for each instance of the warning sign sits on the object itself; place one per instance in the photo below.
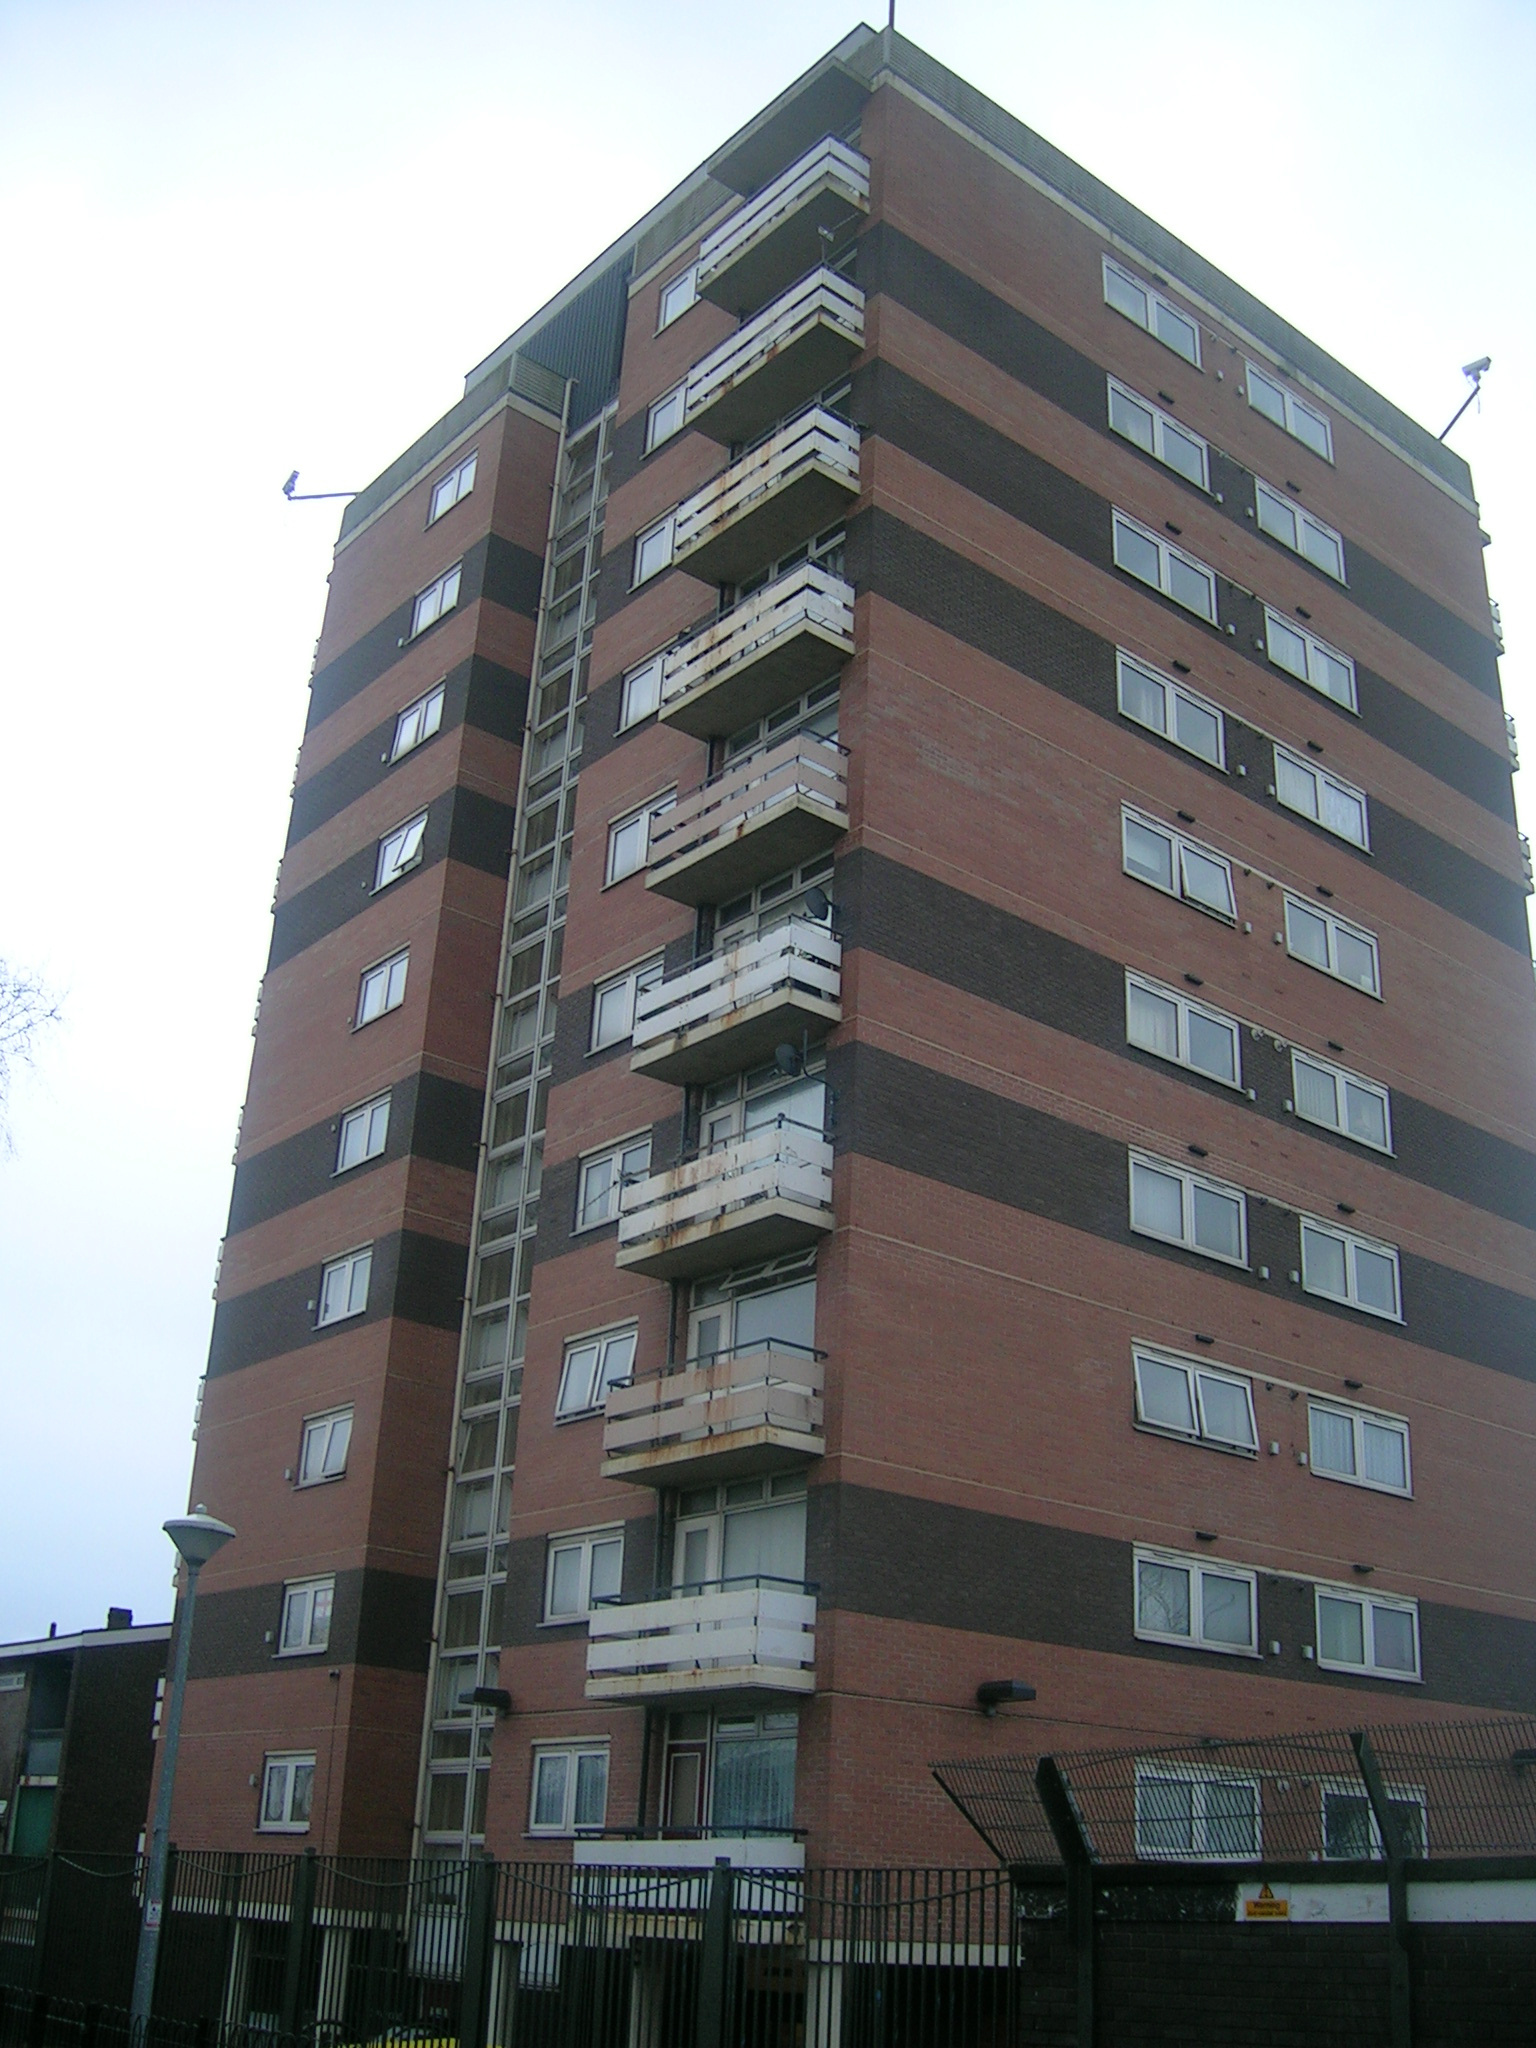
(1265, 1905)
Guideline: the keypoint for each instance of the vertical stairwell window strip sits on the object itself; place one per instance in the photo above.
(1155, 561)
(1161, 318)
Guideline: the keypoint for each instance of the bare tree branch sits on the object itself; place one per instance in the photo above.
(27, 1007)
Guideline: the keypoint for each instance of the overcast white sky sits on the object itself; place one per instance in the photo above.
(241, 238)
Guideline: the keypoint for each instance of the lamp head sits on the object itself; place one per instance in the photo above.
(198, 1536)
(494, 1696)
(993, 1693)
(1475, 370)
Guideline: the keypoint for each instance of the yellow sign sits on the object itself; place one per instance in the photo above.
(1266, 1906)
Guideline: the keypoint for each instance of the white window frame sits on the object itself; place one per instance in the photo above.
(660, 532)
(1359, 1419)
(417, 723)
(454, 486)
(372, 1117)
(344, 1278)
(584, 1542)
(400, 851)
(1155, 302)
(290, 1762)
(1343, 1080)
(1316, 655)
(574, 1753)
(1153, 1770)
(436, 601)
(302, 1598)
(659, 424)
(1284, 512)
(645, 816)
(640, 692)
(1196, 1371)
(1162, 424)
(1354, 1242)
(332, 1432)
(386, 980)
(1167, 553)
(1368, 1668)
(1181, 694)
(1179, 845)
(1398, 1796)
(634, 981)
(1199, 1568)
(1333, 925)
(1191, 1182)
(1291, 408)
(685, 281)
(1186, 1007)
(1323, 783)
(612, 1354)
(610, 1155)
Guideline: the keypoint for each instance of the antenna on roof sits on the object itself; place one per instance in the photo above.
(295, 496)
(1475, 372)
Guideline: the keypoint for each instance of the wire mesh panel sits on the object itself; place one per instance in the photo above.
(22, 1880)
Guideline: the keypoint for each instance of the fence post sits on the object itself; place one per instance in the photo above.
(301, 1914)
(714, 1959)
(1078, 1858)
(479, 1950)
(1399, 1983)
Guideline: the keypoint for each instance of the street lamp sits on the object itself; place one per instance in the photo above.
(197, 1537)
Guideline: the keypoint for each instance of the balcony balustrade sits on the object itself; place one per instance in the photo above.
(762, 1194)
(777, 236)
(768, 649)
(771, 810)
(800, 480)
(758, 1409)
(796, 346)
(735, 1638)
(727, 1013)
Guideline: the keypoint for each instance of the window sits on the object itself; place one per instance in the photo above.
(1367, 1632)
(1304, 421)
(763, 1099)
(747, 1532)
(323, 1453)
(400, 851)
(592, 1366)
(1188, 1209)
(448, 490)
(306, 1617)
(774, 903)
(677, 295)
(602, 1176)
(641, 692)
(1334, 947)
(581, 1571)
(1327, 800)
(437, 598)
(665, 417)
(1159, 434)
(653, 551)
(1286, 522)
(1350, 1831)
(1149, 309)
(570, 1790)
(1341, 1101)
(613, 1002)
(1189, 1814)
(1161, 1021)
(629, 838)
(770, 1307)
(382, 987)
(1310, 660)
(1352, 1269)
(1187, 1600)
(1143, 555)
(418, 722)
(1182, 1397)
(364, 1131)
(1162, 705)
(344, 1287)
(287, 1790)
(1177, 866)
(1365, 1449)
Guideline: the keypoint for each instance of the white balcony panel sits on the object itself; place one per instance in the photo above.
(776, 236)
(767, 1193)
(769, 811)
(759, 1638)
(728, 1012)
(741, 1412)
(771, 647)
(796, 483)
(779, 358)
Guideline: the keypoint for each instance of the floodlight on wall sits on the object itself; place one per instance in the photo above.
(993, 1693)
(494, 1696)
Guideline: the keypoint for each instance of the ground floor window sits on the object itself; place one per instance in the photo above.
(730, 1773)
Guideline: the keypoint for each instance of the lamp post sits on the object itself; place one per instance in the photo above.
(197, 1537)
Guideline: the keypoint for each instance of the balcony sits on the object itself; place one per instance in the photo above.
(802, 341)
(773, 646)
(727, 1013)
(754, 1410)
(797, 482)
(776, 237)
(732, 1638)
(770, 810)
(766, 1193)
